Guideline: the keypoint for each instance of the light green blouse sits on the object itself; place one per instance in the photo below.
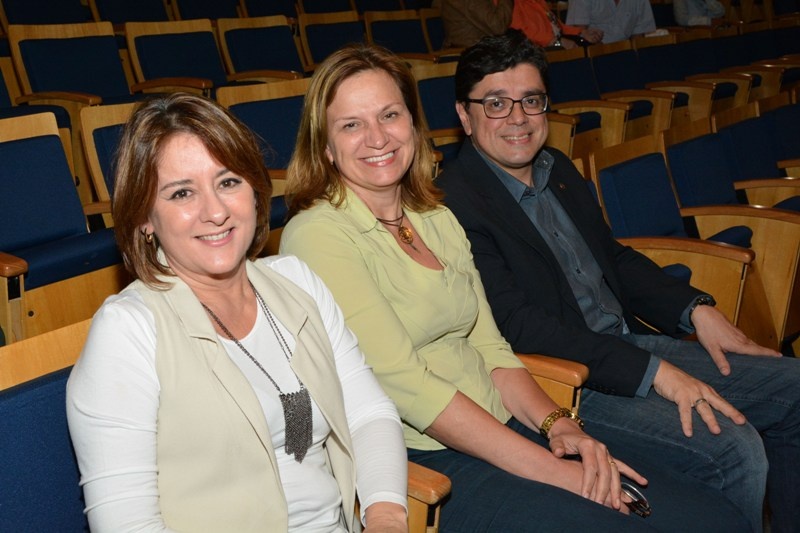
(426, 333)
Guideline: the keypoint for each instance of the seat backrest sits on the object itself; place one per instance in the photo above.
(378, 5)
(268, 8)
(701, 170)
(38, 197)
(433, 27)
(783, 122)
(324, 6)
(122, 11)
(753, 147)
(635, 190)
(243, 42)
(178, 48)
(68, 57)
(324, 33)
(660, 63)
(205, 9)
(42, 12)
(436, 86)
(399, 31)
(39, 489)
(101, 128)
(272, 111)
(617, 71)
(572, 80)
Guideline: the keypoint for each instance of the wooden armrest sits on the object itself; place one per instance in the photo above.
(580, 106)
(686, 244)
(97, 208)
(757, 183)
(81, 98)
(742, 211)
(680, 85)
(194, 83)
(426, 485)
(567, 372)
(265, 74)
(11, 265)
(789, 163)
(640, 94)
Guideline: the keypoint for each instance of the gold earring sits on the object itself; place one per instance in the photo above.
(148, 238)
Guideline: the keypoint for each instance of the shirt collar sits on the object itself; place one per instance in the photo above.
(542, 165)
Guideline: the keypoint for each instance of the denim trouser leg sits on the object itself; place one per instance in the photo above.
(766, 390)
(485, 498)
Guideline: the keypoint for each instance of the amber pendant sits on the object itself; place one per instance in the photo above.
(405, 234)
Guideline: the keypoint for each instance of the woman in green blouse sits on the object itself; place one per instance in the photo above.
(366, 217)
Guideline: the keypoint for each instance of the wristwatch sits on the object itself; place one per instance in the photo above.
(701, 300)
(561, 412)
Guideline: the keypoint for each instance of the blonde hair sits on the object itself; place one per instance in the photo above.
(311, 176)
(136, 177)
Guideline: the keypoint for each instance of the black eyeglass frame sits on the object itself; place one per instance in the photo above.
(482, 101)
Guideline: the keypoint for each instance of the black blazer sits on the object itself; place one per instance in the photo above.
(530, 296)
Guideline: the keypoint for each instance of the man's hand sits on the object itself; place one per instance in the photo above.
(689, 393)
(593, 35)
(718, 337)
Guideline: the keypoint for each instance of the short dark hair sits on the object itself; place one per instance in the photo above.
(496, 53)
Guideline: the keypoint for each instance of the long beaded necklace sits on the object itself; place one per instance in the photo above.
(296, 405)
(404, 232)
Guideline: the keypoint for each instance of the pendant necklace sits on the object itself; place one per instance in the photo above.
(296, 405)
(404, 232)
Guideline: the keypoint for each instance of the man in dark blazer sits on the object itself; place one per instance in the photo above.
(559, 284)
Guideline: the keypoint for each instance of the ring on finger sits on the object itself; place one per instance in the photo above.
(698, 402)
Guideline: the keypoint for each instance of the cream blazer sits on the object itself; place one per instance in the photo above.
(217, 467)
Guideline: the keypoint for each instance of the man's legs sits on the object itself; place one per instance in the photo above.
(764, 389)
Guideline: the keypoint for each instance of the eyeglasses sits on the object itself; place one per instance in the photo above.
(502, 106)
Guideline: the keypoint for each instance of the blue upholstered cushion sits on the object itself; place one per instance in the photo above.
(326, 6)
(572, 80)
(193, 55)
(587, 121)
(38, 198)
(247, 48)
(682, 272)
(752, 148)
(208, 9)
(121, 11)
(791, 204)
(262, 116)
(39, 488)
(324, 39)
(277, 212)
(639, 200)
(46, 11)
(439, 102)
(264, 8)
(106, 140)
(701, 172)
(87, 64)
(44, 220)
(400, 36)
(69, 257)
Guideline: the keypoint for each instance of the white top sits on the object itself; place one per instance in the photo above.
(618, 21)
(112, 405)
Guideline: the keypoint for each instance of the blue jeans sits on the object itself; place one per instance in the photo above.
(485, 498)
(765, 389)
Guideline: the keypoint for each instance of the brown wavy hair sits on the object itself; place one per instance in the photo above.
(311, 177)
(155, 121)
